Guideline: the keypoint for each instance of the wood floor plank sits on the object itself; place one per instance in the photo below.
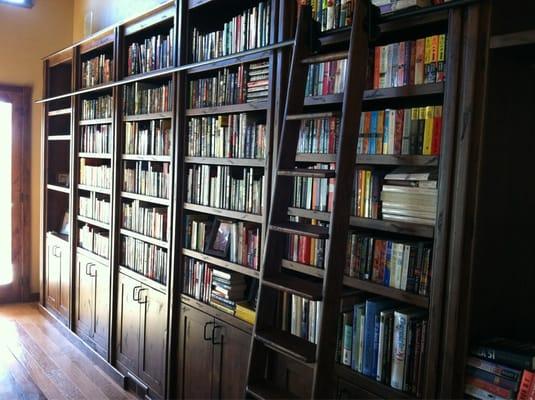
(15, 383)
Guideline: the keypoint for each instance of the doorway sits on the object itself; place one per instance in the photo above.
(14, 195)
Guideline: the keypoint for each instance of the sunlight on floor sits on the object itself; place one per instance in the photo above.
(6, 267)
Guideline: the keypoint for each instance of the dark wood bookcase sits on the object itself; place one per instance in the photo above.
(149, 334)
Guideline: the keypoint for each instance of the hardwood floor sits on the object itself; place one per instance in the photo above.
(37, 362)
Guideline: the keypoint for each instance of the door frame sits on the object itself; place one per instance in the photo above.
(20, 98)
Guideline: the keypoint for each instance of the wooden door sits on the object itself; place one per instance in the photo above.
(231, 355)
(101, 311)
(52, 276)
(153, 348)
(65, 280)
(196, 355)
(84, 304)
(128, 322)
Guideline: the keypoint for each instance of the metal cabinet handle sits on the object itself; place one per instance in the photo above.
(93, 274)
(206, 326)
(134, 293)
(214, 330)
(55, 251)
(139, 296)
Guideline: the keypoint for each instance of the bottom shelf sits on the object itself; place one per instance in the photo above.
(214, 312)
(369, 384)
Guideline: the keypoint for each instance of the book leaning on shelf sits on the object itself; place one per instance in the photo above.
(147, 98)
(386, 342)
(144, 258)
(246, 31)
(228, 136)
(301, 317)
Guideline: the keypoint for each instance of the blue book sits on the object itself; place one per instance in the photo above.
(373, 132)
(373, 309)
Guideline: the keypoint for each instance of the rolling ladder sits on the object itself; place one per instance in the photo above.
(268, 337)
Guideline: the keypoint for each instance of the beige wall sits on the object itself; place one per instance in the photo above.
(107, 12)
(27, 36)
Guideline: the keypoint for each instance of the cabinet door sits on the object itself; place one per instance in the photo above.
(153, 348)
(128, 321)
(231, 355)
(52, 277)
(84, 297)
(65, 280)
(195, 354)
(101, 312)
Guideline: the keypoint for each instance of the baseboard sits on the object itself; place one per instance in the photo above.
(117, 376)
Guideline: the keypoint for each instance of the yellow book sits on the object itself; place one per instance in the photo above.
(428, 59)
(428, 130)
(245, 314)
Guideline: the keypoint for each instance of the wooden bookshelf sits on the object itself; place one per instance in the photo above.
(148, 199)
(60, 112)
(221, 263)
(239, 162)
(59, 138)
(148, 117)
(224, 213)
(145, 238)
(99, 121)
(94, 222)
(235, 108)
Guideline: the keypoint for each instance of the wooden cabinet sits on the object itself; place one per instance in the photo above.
(214, 353)
(92, 303)
(142, 333)
(57, 276)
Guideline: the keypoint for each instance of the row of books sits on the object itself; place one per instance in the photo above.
(95, 206)
(410, 195)
(147, 178)
(94, 240)
(95, 175)
(148, 138)
(301, 317)
(365, 198)
(149, 221)
(390, 6)
(147, 98)
(98, 108)
(96, 71)
(230, 86)
(228, 136)
(402, 131)
(326, 78)
(214, 286)
(305, 249)
(153, 53)
(382, 340)
(412, 62)
(404, 265)
(96, 139)
(144, 258)
(332, 14)
(314, 193)
(230, 188)
(501, 368)
(246, 31)
(238, 242)
(318, 136)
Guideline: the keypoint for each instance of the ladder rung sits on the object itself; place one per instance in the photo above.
(319, 58)
(316, 115)
(295, 285)
(267, 390)
(297, 228)
(308, 172)
(292, 346)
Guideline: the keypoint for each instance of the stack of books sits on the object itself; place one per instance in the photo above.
(305, 249)
(228, 288)
(152, 54)
(314, 193)
(96, 71)
(500, 368)
(148, 138)
(144, 258)
(149, 221)
(365, 202)
(94, 240)
(258, 81)
(318, 136)
(410, 195)
(95, 175)
(302, 317)
(147, 178)
(95, 207)
(326, 78)
(96, 139)
(97, 108)
(146, 98)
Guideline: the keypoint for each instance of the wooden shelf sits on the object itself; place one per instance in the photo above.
(62, 111)
(145, 238)
(315, 158)
(329, 99)
(242, 216)
(92, 255)
(290, 345)
(226, 317)
(135, 157)
(101, 121)
(147, 199)
(58, 188)
(91, 221)
(309, 270)
(143, 279)
(100, 86)
(102, 156)
(513, 39)
(403, 228)
(234, 108)
(238, 162)
(398, 159)
(59, 138)
(222, 263)
(369, 384)
(228, 61)
(94, 189)
(157, 73)
(148, 117)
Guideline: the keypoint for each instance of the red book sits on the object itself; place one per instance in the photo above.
(526, 390)
(305, 240)
(325, 86)
(489, 387)
(398, 134)
(437, 131)
(377, 260)
(376, 66)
